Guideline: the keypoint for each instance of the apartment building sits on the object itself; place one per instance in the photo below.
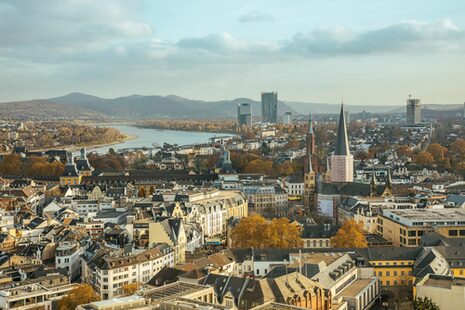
(109, 272)
(68, 256)
(35, 294)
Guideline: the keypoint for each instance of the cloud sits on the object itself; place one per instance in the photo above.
(406, 37)
(69, 23)
(255, 17)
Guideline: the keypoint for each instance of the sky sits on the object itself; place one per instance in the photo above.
(368, 52)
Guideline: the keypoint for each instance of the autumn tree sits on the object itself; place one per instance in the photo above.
(404, 151)
(130, 289)
(11, 164)
(458, 148)
(423, 158)
(255, 231)
(437, 150)
(350, 235)
(83, 294)
(424, 303)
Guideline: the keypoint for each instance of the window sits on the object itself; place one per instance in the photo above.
(453, 232)
(380, 273)
(388, 283)
(395, 273)
(412, 233)
(402, 273)
(388, 273)
(258, 271)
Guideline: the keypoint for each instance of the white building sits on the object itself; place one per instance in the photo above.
(108, 274)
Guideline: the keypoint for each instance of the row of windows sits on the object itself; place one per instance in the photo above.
(393, 264)
(394, 273)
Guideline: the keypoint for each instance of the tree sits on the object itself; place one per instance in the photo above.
(458, 148)
(255, 231)
(83, 294)
(350, 235)
(424, 303)
(404, 151)
(423, 158)
(131, 288)
(11, 164)
(141, 192)
(437, 150)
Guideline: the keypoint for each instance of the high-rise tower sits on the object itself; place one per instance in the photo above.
(309, 168)
(413, 111)
(244, 114)
(342, 162)
(269, 107)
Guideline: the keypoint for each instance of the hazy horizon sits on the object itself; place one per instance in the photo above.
(370, 53)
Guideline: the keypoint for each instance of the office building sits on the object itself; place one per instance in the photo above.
(342, 162)
(406, 227)
(269, 107)
(413, 111)
(244, 114)
(287, 118)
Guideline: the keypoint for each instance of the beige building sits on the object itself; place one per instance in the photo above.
(35, 294)
(445, 291)
(406, 227)
(171, 232)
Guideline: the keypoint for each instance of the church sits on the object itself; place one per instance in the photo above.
(328, 195)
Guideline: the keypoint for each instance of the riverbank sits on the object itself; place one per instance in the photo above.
(200, 130)
(77, 147)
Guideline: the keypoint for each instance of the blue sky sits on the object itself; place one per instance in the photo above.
(369, 52)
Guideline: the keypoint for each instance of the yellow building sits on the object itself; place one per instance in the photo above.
(70, 176)
(392, 265)
(406, 227)
(171, 232)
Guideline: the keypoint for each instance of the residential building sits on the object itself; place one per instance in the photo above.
(108, 271)
(39, 293)
(68, 256)
(170, 231)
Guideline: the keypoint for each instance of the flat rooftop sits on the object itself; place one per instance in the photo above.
(453, 216)
(170, 291)
(355, 288)
(444, 282)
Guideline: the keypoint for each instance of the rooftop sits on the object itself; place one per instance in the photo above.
(444, 281)
(177, 289)
(355, 287)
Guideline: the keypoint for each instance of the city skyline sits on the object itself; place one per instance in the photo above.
(370, 53)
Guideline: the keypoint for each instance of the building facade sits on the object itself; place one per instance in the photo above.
(244, 114)
(269, 107)
(413, 111)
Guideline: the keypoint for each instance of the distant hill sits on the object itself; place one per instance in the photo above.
(43, 110)
(79, 105)
(137, 106)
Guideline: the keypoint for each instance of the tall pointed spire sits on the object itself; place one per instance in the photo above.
(389, 179)
(342, 142)
(310, 123)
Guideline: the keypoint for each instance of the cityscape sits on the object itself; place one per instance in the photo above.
(309, 189)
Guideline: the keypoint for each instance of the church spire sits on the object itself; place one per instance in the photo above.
(342, 142)
(389, 179)
(310, 123)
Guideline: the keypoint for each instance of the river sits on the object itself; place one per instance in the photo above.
(146, 137)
